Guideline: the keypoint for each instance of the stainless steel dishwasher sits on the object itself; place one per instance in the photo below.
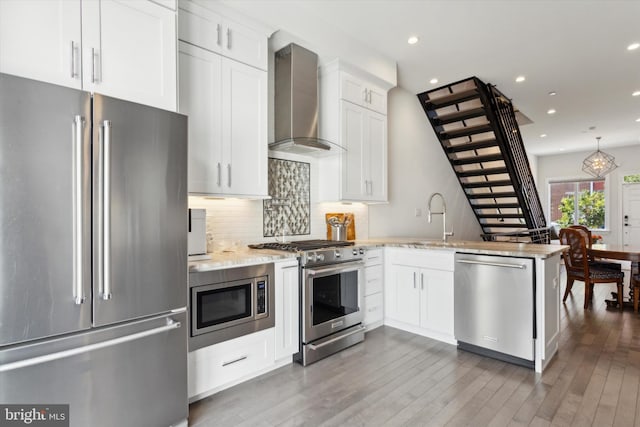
(495, 306)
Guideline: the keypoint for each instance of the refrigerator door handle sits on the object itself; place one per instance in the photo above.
(171, 324)
(78, 205)
(105, 210)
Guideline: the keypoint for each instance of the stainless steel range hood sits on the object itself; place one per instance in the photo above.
(296, 103)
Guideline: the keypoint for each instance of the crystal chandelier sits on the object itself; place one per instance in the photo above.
(599, 163)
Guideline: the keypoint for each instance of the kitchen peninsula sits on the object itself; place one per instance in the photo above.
(428, 308)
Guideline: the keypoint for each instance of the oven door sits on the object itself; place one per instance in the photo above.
(332, 299)
(220, 305)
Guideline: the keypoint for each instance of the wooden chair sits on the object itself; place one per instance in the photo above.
(635, 281)
(578, 268)
(586, 234)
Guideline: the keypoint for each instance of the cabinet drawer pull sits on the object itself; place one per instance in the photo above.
(239, 359)
(229, 38)
(218, 30)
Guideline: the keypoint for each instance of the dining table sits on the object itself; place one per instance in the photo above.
(622, 253)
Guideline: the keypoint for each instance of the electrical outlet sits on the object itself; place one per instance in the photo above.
(418, 212)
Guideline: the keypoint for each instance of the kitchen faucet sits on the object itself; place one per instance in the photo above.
(445, 233)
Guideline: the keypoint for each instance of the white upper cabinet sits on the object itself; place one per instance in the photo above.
(129, 51)
(352, 116)
(226, 102)
(201, 26)
(125, 49)
(40, 40)
(363, 93)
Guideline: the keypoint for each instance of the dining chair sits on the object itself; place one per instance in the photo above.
(578, 268)
(586, 234)
(635, 282)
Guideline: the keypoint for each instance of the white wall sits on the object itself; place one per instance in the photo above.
(418, 167)
(570, 166)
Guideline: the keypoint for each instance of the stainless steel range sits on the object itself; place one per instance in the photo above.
(331, 275)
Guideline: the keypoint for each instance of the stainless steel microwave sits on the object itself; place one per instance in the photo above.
(229, 303)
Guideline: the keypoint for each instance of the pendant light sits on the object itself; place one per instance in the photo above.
(599, 163)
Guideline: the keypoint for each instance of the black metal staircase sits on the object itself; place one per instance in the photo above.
(477, 128)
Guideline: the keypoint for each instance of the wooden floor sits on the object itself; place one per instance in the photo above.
(397, 378)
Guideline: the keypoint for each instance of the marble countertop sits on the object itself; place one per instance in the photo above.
(468, 246)
(239, 257)
(246, 256)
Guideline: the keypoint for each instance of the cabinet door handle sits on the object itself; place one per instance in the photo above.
(74, 59)
(422, 281)
(94, 66)
(219, 174)
(218, 32)
(369, 96)
(229, 174)
(364, 95)
(414, 280)
(229, 38)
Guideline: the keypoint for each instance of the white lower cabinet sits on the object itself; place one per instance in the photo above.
(419, 292)
(287, 330)
(220, 366)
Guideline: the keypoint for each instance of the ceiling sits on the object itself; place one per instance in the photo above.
(575, 48)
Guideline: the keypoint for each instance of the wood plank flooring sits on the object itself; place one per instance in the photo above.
(396, 378)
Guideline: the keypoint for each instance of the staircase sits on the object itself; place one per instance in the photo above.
(476, 126)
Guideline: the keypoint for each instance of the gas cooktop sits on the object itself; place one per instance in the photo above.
(301, 245)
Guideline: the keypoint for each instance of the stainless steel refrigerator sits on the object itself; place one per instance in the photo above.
(93, 256)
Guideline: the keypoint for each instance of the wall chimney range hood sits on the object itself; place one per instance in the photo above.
(296, 103)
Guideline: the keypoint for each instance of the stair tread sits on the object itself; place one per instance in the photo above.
(460, 115)
(479, 172)
(478, 159)
(498, 195)
(484, 184)
(471, 146)
(503, 225)
(465, 131)
(498, 215)
(454, 98)
(496, 206)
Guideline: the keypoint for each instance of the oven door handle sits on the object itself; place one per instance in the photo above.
(339, 268)
(332, 340)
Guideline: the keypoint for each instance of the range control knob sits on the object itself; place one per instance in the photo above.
(361, 251)
(312, 257)
(320, 257)
(355, 252)
(338, 254)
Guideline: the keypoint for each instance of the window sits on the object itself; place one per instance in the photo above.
(578, 202)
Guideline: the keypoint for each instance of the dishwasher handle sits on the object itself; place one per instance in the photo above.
(492, 264)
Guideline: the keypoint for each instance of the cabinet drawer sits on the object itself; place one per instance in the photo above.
(217, 365)
(373, 279)
(373, 256)
(373, 308)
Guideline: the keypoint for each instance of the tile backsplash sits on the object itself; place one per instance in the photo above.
(234, 223)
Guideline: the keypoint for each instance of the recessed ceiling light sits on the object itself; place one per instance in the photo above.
(560, 149)
(636, 93)
(553, 93)
(543, 135)
(638, 119)
(633, 46)
(412, 40)
(551, 111)
(433, 81)
(520, 79)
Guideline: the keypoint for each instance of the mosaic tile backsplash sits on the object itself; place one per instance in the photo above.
(288, 211)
